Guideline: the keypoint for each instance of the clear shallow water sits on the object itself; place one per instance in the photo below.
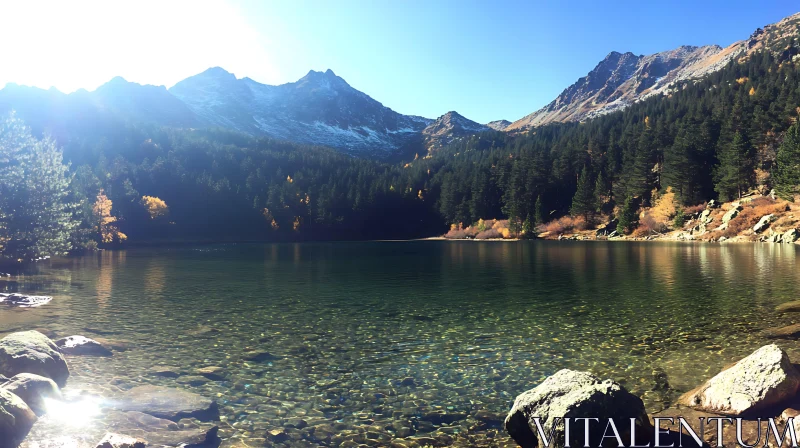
(372, 338)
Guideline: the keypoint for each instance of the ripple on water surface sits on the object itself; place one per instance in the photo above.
(421, 341)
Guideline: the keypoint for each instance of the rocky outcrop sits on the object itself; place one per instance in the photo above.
(16, 419)
(32, 352)
(790, 236)
(23, 301)
(763, 223)
(574, 394)
(81, 345)
(33, 390)
(763, 379)
(168, 403)
(732, 213)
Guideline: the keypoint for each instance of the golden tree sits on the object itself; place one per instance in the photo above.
(155, 206)
(106, 228)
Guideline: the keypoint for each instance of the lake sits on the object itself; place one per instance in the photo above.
(383, 338)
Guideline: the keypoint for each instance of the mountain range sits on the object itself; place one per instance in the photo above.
(323, 109)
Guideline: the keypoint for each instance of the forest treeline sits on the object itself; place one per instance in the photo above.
(130, 183)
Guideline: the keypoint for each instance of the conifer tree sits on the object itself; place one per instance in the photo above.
(538, 213)
(787, 164)
(627, 217)
(735, 168)
(583, 202)
(35, 218)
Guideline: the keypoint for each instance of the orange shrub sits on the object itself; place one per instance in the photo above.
(566, 224)
(488, 234)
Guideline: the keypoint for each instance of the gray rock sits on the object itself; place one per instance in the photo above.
(112, 440)
(763, 379)
(168, 403)
(32, 352)
(732, 213)
(23, 301)
(790, 236)
(33, 390)
(705, 217)
(81, 345)
(16, 419)
(763, 223)
(160, 432)
(574, 394)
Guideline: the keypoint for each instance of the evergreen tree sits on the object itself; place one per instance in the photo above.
(36, 218)
(583, 202)
(787, 164)
(627, 217)
(538, 214)
(735, 170)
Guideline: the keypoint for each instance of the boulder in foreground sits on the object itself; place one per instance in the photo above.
(33, 390)
(23, 301)
(81, 345)
(573, 394)
(761, 380)
(32, 352)
(16, 419)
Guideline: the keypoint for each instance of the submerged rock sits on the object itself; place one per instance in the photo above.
(214, 373)
(763, 379)
(23, 301)
(787, 332)
(788, 307)
(16, 419)
(81, 345)
(573, 394)
(256, 356)
(112, 440)
(33, 390)
(168, 403)
(32, 352)
(156, 431)
(165, 371)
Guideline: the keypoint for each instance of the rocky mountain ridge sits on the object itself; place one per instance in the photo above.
(448, 127)
(621, 79)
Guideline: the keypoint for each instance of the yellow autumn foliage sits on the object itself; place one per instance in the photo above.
(155, 207)
(105, 227)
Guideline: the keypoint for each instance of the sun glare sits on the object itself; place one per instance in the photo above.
(72, 45)
(77, 413)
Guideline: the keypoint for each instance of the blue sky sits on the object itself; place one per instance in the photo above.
(487, 60)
